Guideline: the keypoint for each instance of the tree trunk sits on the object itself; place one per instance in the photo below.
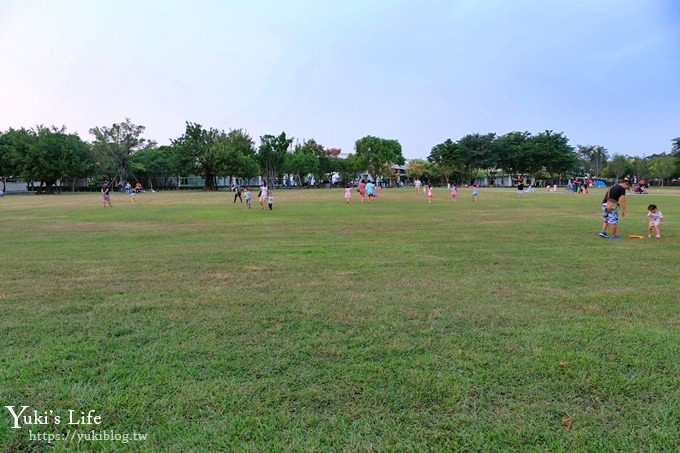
(209, 182)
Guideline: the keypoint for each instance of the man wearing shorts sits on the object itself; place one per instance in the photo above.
(616, 196)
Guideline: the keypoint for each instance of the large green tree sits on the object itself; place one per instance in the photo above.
(155, 164)
(202, 152)
(478, 151)
(13, 144)
(675, 150)
(415, 168)
(301, 163)
(114, 147)
(641, 167)
(272, 155)
(52, 157)
(514, 150)
(450, 157)
(240, 158)
(663, 167)
(593, 158)
(376, 153)
(618, 166)
(551, 152)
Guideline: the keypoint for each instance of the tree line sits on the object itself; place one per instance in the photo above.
(56, 159)
(546, 155)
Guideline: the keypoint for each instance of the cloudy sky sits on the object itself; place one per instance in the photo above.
(605, 72)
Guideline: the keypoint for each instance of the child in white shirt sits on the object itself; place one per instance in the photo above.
(654, 216)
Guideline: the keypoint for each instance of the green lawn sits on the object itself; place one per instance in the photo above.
(396, 325)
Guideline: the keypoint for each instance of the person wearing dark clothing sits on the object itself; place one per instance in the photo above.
(237, 193)
(613, 200)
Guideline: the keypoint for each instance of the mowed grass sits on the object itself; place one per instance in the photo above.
(395, 325)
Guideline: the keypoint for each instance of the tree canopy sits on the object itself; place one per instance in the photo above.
(114, 147)
(378, 153)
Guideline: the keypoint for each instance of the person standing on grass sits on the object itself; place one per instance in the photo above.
(237, 193)
(361, 188)
(248, 196)
(417, 185)
(270, 200)
(454, 192)
(106, 194)
(429, 193)
(613, 200)
(348, 194)
(520, 187)
(654, 217)
(475, 193)
(263, 194)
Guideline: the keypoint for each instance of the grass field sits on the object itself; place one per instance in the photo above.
(396, 325)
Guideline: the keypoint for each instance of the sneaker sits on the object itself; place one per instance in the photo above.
(614, 237)
(603, 234)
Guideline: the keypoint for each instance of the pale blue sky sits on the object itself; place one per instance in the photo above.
(604, 72)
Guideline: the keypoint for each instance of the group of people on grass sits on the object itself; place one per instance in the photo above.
(132, 192)
(367, 190)
(265, 196)
(614, 201)
(370, 190)
(452, 188)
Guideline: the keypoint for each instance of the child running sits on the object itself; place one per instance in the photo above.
(248, 196)
(454, 192)
(348, 194)
(270, 200)
(370, 190)
(654, 217)
(429, 193)
(361, 188)
(475, 193)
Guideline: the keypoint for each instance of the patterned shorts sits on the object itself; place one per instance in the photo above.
(609, 216)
